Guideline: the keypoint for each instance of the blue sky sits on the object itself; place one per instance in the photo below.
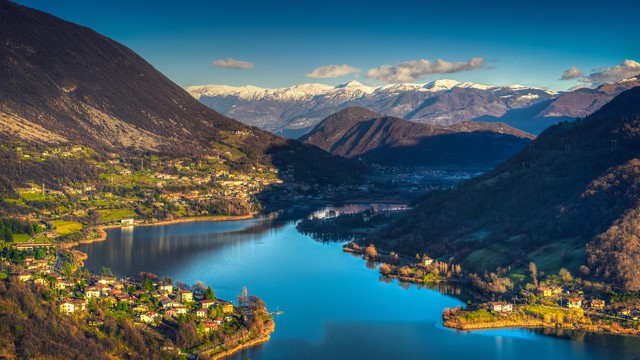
(518, 41)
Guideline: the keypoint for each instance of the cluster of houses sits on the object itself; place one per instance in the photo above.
(169, 302)
(572, 301)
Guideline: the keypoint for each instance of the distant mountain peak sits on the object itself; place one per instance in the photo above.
(442, 84)
(352, 83)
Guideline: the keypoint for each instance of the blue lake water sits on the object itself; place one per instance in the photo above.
(335, 307)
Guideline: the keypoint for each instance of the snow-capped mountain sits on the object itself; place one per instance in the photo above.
(294, 110)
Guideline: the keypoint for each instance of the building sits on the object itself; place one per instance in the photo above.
(210, 325)
(202, 313)
(597, 304)
(165, 288)
(207, 304)
(574, 303)
(185, 296)
(92, 292)
(127, 222)
(545, 291)
(67, 307)
(180, 310)
(24, 276)
(148, 317)
(498, 307)
(227, 308)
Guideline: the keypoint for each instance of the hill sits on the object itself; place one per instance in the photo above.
(67, 87)
(569, 200)
(358, 132)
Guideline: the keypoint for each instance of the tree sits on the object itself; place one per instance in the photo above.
(371, 251)
(565, 275)
(148, 284)
(105, 271)
(182, 286)
(584, 270)
(199, 287)
(209, 294)
(242, 299)
(533, 270)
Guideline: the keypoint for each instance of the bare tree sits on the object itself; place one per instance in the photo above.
(199, 287)
(533, 270)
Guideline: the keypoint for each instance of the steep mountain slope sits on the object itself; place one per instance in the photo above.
(443, 102)
(358, 132)
(64, 83)
(568, 200)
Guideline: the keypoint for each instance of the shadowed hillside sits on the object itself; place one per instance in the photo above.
(358, 132)
(569, 199)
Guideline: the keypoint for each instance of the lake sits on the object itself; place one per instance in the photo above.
(335, 307)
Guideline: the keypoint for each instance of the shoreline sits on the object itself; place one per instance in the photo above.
(538, 324)
(102, 234)
(240, 347)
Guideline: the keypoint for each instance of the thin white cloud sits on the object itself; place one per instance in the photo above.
(332, 71)
(232, 63)
(410, 71)
(572, 73)
(601, 76)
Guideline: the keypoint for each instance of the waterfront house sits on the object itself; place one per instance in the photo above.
(574, 303)
(127, 222)
(499, 307)
(185, 296)
(597, 304)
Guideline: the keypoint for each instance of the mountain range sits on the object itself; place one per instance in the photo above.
(294, 110)
(569, 200)
(387, 140)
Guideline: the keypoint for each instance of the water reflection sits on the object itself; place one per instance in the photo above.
(335, 306)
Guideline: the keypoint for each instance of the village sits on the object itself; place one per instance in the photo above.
(144, 300)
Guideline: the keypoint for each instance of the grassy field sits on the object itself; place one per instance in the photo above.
(116, 214)
(478, 316)
(63, 227)
(32, 196)
(565, 253)
(19, 238)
